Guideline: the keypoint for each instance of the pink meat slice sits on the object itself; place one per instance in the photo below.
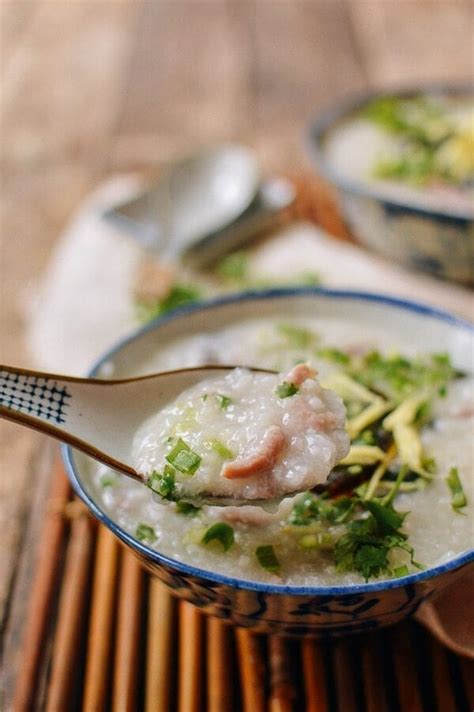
(262, 461)
(300, 373)
(253, 516)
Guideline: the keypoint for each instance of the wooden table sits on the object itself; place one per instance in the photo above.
(89, 88)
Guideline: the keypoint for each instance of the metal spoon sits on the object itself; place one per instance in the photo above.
(100, 417)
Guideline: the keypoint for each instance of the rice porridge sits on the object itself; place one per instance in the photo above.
(399, 500)
(245, 435)
(417, 151)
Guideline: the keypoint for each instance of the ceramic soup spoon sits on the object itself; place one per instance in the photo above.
(99, 417)
(136, 426)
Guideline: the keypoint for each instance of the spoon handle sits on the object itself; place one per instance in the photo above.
(62, 407)
(24, 392)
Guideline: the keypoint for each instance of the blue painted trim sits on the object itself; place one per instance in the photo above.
(319, 127)
(157, 558)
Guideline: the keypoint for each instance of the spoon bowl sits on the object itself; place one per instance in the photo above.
(100, 417)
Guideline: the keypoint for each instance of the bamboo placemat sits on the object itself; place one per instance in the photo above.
(101, 634)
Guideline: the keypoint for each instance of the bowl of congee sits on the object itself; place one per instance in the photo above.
(342, 469)
(403, 164)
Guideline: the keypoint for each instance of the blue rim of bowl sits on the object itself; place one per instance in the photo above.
(243, 584)
(320, 126)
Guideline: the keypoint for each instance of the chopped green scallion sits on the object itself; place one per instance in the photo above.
(458, 497)
(221, 449)
(234, 267)
(183, 458)
(224, 401)
(145, 533)
(187, 509)
(296, 336)
(285, 390)
(109, 479)
(320, 540)
(220, 532)
(267, 558)
(163, 484)
(334, 355)
(401, 571)
(310, 278)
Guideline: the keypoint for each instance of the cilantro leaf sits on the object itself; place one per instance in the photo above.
(387, 518)
(366, 545)
(309, 509)
(370, 560)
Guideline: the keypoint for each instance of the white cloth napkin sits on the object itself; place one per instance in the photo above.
(84, 301)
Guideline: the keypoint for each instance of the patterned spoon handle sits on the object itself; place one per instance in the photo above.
(77, 411)
(39, 397)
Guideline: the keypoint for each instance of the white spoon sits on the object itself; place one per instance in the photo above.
(100, 417)
(192, 199)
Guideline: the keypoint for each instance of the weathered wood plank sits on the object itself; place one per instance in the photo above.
(187, 81)
(15, 19)
(259, 71)
(414, 41)
(59, 92)
(304, 60)
(60, 89)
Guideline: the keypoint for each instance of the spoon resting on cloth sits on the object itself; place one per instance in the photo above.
(103, 417)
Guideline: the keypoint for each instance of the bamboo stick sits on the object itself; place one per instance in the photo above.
(252, 670)
(372, 673)
(405, 668)
(283, 693)
(467, 672)
(99, 646)
(220, 694)
(441, 678)
(42, 592)
(124, 695)
(314, 672)
(72, 605)
(191, 627)
(344, 676)
(160, 647)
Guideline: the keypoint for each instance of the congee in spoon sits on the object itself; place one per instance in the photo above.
(252, 436)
